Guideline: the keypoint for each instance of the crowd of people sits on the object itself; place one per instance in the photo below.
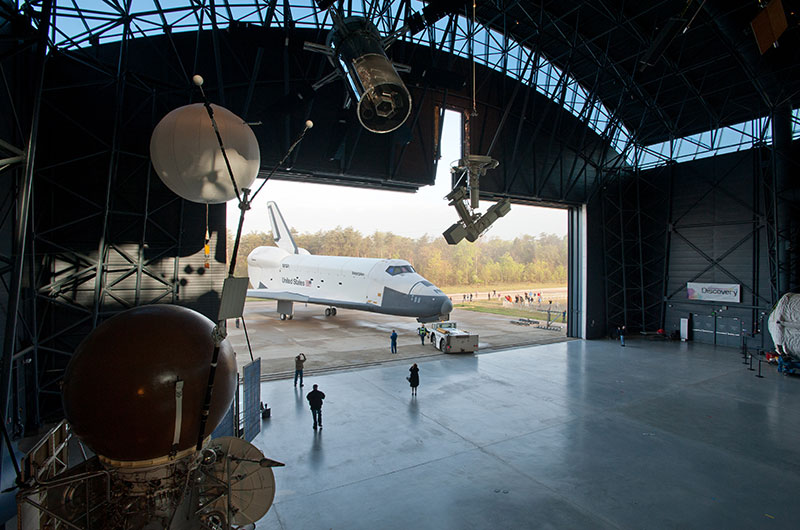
(527, 296)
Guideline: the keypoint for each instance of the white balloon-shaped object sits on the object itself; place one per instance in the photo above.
(186, 154)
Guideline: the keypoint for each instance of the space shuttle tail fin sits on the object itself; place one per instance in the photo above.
(280, 231)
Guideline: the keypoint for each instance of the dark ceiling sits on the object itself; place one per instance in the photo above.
(665, 68)
(661, 81)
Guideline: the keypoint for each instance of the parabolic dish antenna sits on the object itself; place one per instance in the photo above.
(252, 484)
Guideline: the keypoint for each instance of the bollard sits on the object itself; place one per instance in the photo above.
(759, 370)
(751, 364)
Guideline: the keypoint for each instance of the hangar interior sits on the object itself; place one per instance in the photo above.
(668, 129)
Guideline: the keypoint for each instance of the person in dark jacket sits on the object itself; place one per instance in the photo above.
(413, 379)
(393, 341)
(298, 368)
(315, 398)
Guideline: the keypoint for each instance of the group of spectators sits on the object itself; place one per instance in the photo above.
(528, 297)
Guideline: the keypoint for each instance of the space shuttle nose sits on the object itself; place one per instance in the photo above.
(447, 306)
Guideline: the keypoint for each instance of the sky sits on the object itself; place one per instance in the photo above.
(309, 208)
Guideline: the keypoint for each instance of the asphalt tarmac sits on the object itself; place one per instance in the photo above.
(353, 339)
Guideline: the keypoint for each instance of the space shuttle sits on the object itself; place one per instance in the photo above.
(290, 274)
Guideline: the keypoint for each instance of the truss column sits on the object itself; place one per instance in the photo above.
(643, 308)
(667, 243)
(32, 386)
(781, 153)
(614, 262)
(23, 210)
(102, 250)
(623, 267)
(758, 223)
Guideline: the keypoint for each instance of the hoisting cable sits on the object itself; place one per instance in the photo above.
(198, 80)
(219, 332)
(308, 124)
(472, 49)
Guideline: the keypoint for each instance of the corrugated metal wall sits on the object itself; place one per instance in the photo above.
(717, 235)
(709, 220)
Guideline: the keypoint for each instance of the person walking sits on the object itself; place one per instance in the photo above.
(393, 338)
(315, 398)
(413, 379)
(622, 336)
(423, 332)
(298, 368)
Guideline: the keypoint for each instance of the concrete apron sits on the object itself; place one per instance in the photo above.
(354, 339)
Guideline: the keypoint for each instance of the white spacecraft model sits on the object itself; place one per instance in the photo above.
(290, 274)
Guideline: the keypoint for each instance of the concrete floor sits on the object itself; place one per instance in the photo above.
(354, 339)
(570, 435)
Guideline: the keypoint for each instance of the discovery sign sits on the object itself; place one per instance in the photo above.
(716, 292)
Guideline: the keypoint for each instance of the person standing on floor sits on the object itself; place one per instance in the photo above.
(413, 379)
(298, 368)
(423, 332)
(622, 336)
(315, 398)
(393, 338)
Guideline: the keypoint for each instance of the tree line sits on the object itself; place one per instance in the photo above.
(538, 259)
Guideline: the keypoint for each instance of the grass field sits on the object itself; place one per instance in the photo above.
(535, 310)
(504, 288)
(511, 312)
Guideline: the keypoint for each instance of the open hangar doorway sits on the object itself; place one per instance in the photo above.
(518, 267)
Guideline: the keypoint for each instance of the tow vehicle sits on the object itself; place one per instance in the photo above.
(447, 337)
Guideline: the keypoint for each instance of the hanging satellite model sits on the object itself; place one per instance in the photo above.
(358, 55)
(186, 155)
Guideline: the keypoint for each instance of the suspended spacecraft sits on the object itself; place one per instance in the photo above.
(358, 55)
(357, 52)
(134, 393)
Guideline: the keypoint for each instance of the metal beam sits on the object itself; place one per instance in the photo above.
(24, 201)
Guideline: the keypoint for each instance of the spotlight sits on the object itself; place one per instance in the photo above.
(472, 224)
(455, 233)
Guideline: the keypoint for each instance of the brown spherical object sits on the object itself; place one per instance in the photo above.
(119, 388)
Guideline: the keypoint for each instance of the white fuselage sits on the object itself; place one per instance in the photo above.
(381, 285)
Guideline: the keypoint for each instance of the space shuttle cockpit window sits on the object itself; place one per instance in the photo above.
(394, 270)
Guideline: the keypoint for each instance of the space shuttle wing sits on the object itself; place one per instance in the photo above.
(277, 295)
(288, 296)
(280, 231)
